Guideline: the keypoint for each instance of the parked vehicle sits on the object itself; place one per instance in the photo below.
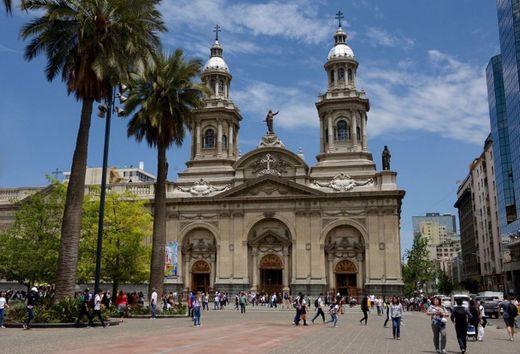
(491, 305)
(465, 299)
(495, 294)
(446, 302)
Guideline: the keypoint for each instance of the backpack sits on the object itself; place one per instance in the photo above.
(91, 301)
(316, 303)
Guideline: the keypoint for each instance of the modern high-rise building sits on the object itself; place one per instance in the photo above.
(448, 221)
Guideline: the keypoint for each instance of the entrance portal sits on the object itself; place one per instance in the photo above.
(200, 272)
(346, 278)
(271, 274)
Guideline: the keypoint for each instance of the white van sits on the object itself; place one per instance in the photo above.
(465, 299)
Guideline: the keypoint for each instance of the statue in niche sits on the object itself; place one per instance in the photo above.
(386, 159)
(269, 120)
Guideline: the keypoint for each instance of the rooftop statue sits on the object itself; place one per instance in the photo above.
(269, 120)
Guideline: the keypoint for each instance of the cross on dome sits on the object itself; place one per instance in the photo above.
(217, 30)
(339, 17)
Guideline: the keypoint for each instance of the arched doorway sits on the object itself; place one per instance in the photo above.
(345, 260)
(346, 278)
(200, 274)
(271, 274)
(199, 254)
(269, 251)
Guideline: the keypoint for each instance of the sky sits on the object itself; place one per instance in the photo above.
(421, 63)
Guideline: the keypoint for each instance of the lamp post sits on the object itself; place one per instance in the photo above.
(105, 109)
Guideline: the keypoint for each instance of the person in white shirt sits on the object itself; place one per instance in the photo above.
(482, 322)
(153, 304)
(3, 305)
(97, 307)
(319, 309)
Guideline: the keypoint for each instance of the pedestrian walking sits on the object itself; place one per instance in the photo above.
(196, 311)
(386, 306)
(482, 323)
(205, 303)
(122, 304)
(3, 306)
(98, 304)
(476, 317)
(32, 298)
(303, 311)
(333, 311)
(153, 304)
(364, 308)
(318, 303)
(460, 316)
(510, 311)
(84, 308)
(243, 301)
(396, 312)
(298, 307)
(438, 315)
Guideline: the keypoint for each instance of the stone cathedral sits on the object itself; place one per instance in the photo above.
(266, 220)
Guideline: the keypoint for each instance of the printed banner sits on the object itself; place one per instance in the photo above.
(171, 261)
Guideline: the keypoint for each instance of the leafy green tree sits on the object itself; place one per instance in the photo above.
(29, 249)
(445, 284)
(418, 267)
(91, 44)
(127, 225)
(161, 101)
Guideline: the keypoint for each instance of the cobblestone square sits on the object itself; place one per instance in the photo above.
(258, 331)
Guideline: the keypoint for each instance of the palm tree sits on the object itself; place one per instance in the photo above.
(163, 99)
(8, 5)
(91, 44)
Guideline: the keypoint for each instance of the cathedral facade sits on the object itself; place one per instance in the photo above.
(266, 220)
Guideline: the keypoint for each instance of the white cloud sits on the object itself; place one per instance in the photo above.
(5, 49)
(450, 100)
(291, 19)
(380, 37)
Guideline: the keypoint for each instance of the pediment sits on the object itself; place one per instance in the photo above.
(270, 186)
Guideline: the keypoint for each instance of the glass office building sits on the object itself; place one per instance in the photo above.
(504, 103)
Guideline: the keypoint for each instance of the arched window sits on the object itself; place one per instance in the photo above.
(341, 74)
(224, 142)
(349, 73)
(342, 130)
(209, 139)
(220, 88)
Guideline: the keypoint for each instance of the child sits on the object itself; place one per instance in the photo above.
(333, 313)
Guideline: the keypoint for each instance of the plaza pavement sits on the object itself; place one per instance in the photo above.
(258, 331)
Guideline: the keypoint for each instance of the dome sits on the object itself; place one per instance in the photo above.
(340, 50)
(215, 63)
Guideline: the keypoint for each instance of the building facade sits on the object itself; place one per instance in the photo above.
(267, 221)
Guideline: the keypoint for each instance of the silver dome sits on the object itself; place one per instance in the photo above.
(340, 50)
(215, 63)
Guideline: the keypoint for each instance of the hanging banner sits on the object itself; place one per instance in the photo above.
(171, 260)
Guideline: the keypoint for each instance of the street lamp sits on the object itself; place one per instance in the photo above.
(105, 109)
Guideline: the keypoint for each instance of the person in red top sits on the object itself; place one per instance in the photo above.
(122, 304)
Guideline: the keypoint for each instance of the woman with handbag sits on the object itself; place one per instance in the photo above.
(438, 315)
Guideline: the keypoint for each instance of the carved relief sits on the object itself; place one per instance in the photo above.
(203, 188)
(343, 183)
(269, 165)
(200, 267)
(344, 242)
(271, 261)
(270, 140)
(345, 267)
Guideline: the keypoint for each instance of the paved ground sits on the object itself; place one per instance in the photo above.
(260, 331)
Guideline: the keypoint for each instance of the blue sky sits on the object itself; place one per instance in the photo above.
(421, 64)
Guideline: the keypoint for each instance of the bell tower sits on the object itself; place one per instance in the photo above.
(342, 110)
(214, 142)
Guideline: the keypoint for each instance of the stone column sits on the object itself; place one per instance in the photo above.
(332, 280)
(255, 269)
(331, 132)
(219, 137)
(226, 89)
(199, 141)
(286, 269)
(230, 140)
(213, 271)
(335, 76)
(187, 272)
(353, 116)
(322, 136)
(364, 130)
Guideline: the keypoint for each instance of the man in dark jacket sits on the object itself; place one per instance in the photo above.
(461, 316)
(83, 308)
(32, 297)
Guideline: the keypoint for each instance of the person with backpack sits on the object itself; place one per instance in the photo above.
(84, 308)
(98, 304)
(334, 307)
(461, 316)
(298, 307)
(318, 304)
(510, 311)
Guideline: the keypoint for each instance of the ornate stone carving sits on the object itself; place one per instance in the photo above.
(200, 267)
(345, 247)
(271, 261)
(345, 267)
(270, 140)
(269, 165)
(203, 188)
(343, 183)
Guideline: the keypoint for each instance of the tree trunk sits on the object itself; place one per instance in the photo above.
(71, 226)
(115, 287)
(159, 225)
